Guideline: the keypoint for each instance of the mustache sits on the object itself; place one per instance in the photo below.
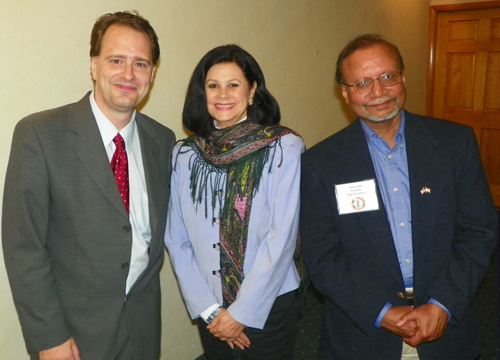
(380, 101)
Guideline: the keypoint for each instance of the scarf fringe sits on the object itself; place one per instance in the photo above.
(228, 166)
(202, 183)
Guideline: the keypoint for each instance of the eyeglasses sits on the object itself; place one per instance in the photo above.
(363, 86)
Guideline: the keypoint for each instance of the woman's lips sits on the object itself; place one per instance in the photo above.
(224, 107)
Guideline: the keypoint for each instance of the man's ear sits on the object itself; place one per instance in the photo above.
(93, 67)
(345, 94)
(153, 74)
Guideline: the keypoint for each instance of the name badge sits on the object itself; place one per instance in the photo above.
(356, 197)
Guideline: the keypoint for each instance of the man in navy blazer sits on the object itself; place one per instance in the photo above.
(397, 222)
(83, 264)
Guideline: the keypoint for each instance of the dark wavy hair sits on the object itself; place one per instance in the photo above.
(195, 117)
(130, 19)
(364, 42)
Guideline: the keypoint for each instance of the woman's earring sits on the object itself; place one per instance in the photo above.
(250, 102)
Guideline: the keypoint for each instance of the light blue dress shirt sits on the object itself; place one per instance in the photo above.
(391, 170)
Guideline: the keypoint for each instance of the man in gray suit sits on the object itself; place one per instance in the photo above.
(83, 245)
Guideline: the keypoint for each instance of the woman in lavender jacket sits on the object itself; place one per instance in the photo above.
(233, 215)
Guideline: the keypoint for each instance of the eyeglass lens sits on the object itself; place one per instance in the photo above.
(365, 85)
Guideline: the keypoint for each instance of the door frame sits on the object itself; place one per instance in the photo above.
(434, 10)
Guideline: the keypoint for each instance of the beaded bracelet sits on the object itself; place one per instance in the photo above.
(213, 315)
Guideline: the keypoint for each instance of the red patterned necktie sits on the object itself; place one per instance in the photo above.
(119, 164)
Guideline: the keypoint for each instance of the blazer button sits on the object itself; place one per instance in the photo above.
(126, 228)
(401, 295)
(125, 265)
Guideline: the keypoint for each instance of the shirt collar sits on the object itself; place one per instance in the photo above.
(371, 135)
(107, 129)
(218, 128)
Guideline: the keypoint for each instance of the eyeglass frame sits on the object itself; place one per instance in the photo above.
(373, 81)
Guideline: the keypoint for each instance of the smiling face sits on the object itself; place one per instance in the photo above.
(122, 72)
(228, 92)
(380, 103)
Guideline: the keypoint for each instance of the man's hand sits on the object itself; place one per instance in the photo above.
(431, 320)
(225, 328)
(66, 351)
(391, 320)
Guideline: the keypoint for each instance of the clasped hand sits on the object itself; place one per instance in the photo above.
(225, 328)
(425, 323)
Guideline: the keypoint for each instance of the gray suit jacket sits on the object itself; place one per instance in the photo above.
(67, 237)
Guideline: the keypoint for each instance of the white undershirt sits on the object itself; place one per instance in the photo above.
(139, 210)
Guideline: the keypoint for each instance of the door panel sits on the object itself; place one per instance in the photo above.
(464, 76)
(492, 88)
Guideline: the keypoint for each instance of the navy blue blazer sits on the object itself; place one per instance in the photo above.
(352, 260)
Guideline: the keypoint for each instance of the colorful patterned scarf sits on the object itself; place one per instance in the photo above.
(240, 152)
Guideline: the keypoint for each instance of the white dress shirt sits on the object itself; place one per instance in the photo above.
(139, 210)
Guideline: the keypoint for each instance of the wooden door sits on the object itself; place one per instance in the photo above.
(464, 76)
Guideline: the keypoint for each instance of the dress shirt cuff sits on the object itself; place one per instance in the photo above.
(435, 302)
(205, 314)
(382, 314)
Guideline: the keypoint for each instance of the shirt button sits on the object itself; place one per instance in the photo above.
(126, 228)
(389, 156)
(125, 265)
(402, 224)
(407, 261)
(396, 189)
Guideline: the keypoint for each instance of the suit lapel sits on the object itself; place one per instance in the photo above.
(360, 167)
(150, 157)
(89, 148)
(426, 170)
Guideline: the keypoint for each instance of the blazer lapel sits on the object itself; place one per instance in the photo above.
(89, 148)
(150, 158)
(426, 171)
(360, 167)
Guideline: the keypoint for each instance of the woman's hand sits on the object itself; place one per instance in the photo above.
(242, 342)
(225, 328)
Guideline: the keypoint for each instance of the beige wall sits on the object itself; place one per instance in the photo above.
(44, 63)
